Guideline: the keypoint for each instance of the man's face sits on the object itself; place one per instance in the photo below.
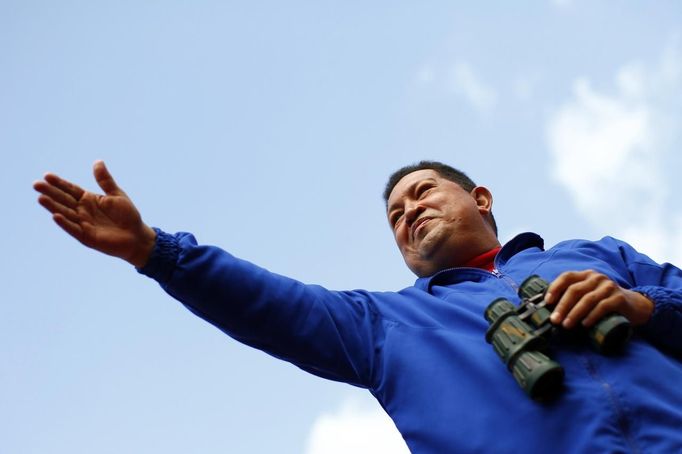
(437, 224)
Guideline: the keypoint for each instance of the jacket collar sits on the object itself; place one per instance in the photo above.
(458, 274)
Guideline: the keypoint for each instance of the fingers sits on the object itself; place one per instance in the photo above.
(561, 283)
(582, 296)
(105, 180)
(607, 306)
(54, 207)
(61, 198)
(594, 300)
(56, 194)
(62, 190)
(70, 227)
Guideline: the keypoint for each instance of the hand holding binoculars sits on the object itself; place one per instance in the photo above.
(520, 336)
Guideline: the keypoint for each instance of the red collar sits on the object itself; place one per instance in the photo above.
(485, 261)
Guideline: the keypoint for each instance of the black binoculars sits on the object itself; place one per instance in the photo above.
(520, 336)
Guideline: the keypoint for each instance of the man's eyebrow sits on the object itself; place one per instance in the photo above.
(410, 189)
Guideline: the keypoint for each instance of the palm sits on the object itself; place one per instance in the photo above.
(108, 223)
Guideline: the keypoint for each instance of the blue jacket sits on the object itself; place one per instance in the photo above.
(422, 353)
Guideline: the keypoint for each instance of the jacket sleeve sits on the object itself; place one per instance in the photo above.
(331, 334)
(662, 284)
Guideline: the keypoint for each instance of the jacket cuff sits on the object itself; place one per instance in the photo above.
(667, 303)
(164, 256)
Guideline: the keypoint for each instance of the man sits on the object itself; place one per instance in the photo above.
(421, 351)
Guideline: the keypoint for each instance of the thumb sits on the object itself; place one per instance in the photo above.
(105, 180)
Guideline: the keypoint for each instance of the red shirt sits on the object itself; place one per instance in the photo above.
(485, 260)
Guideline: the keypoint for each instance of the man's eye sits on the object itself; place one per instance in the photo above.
(396, 218)
(423, 191)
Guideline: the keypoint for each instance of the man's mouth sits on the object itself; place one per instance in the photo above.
(418, 225)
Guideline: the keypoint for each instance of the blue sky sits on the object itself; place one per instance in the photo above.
(269, 129)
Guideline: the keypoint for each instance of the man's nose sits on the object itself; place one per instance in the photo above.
(412, 212)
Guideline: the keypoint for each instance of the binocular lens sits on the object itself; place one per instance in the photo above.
(540, 377)
(519, 347)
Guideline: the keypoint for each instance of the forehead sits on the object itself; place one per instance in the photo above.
(409, 181)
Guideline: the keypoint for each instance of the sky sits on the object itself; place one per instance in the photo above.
(269, 129)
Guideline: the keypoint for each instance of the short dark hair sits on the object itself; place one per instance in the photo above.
(444, 170)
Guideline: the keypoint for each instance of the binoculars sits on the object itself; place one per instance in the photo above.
(520, 337)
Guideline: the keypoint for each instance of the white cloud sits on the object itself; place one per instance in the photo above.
(661, 242)
(356, 427)
(610, 151)
(603, 153)
(465, 83)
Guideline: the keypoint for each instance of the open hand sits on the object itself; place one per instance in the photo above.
(109, 223)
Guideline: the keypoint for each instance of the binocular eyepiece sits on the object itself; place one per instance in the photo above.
(519, 335)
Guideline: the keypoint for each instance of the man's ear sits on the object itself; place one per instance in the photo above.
(484, 199)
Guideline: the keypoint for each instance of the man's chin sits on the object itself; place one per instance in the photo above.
(430, 243)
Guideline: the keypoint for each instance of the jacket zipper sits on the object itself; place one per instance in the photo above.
(500, 275)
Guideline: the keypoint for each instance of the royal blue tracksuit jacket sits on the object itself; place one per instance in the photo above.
(422, 352)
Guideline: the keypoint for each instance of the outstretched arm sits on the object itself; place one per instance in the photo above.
(109, 223)
(331, 334)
